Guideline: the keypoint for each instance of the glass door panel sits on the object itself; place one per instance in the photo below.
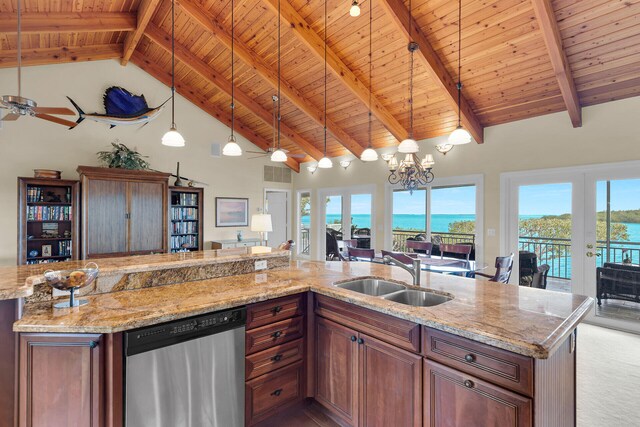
(409, 217)
(333, 222)
(453, 214)
(304, 227)
(361, 225)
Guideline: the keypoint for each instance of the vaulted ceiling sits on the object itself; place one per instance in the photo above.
(520, 59)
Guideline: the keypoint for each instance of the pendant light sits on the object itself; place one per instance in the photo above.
(231, 148)
(409, 145)
(369, 154)
(355, 9)
(325, 162)
(459, 136)
(279, 155)
(173, 138)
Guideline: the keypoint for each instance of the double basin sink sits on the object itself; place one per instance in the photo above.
(395, 292)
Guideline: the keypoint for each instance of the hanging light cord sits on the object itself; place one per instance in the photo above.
(411, 50)
(173, 65)
(279, 117)
(325, 78)
(370, 60)
(19, 51)
(459, 85)
(233, 106)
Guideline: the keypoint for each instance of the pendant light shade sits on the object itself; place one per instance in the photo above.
(231, 148)
(173, 138)
(325, 163)
(408, 146)
(355, 9)
(369, 155)
(460, 136)
(279, 156)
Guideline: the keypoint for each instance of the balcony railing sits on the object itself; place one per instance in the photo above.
(557, 253)
(304, 241)
(400, 238)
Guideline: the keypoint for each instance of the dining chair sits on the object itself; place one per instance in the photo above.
(332, 250)
(343, 245)
(356, 254)
(456, 249)
(504, 266)
(420, 247)
(399, 256)
(540, 277)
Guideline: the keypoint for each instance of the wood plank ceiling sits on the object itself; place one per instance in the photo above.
(520, 59)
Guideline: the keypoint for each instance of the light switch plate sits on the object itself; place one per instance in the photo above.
(59, 293)
(491, 232)
(261, 265)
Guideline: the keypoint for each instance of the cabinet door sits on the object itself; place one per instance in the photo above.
(146, 217)
(61, 381)
(454, 399)
(336, 369)
(106, 202)
(390, 385)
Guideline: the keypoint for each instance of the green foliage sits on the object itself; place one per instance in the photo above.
(123, 157)
(305, 205)
(630, 216)
(466, 227)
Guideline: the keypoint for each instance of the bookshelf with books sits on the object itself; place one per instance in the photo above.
(185, 219)
(47, 220)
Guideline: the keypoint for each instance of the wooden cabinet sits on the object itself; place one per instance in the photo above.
(455, 399)
(365, 381)
(61, 380)
(124, 212)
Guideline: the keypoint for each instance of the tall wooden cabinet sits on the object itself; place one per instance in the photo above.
(124, 212)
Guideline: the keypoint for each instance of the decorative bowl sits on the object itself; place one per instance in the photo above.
(72, 280)
(47, 173)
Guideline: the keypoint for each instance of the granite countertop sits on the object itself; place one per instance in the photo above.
(527, 321)
(18, 281)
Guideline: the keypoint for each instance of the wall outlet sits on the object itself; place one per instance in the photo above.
(261, 265)
(59, 293)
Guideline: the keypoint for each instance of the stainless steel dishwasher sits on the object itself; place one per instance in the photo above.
(187, 373)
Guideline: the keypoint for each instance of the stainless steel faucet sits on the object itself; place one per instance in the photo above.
(414, 270)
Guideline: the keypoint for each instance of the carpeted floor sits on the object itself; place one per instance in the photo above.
(608, 378)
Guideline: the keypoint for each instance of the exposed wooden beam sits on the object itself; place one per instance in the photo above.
(58, 55)
(185, 56)
(145, 12)
(552, 39)
(315, 43)
(67, 22)
(214, 27)
(195, 98)
(400, 16)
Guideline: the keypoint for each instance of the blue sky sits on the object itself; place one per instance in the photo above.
(455, 200)
(360, 204)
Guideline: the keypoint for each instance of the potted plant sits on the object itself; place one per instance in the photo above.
(123, 157)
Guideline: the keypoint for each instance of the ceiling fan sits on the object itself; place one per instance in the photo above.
(276, 138)
(19, 106)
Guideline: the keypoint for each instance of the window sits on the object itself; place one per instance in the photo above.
(304, 223)
(409, 216)
(453, 213)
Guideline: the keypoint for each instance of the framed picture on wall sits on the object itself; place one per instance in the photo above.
(232, 212)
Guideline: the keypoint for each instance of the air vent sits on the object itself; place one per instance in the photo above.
(277, 174)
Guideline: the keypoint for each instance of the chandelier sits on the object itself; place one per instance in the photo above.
(411, 172)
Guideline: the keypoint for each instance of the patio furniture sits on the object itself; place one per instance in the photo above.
(540, 277)
(343, 245)
(504, 266)
(420, 247)
(332, 250)
(461, 251)
(618, 281)
(399, 256)
(357, 254)
(528, 264)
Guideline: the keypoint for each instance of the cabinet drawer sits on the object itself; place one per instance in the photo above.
(270, 392)
(266, 312)
(274, 334)
(501, 367)
(399, 332)
(273, 358)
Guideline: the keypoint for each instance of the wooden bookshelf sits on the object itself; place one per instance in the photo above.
(185, 219)
(47, 218)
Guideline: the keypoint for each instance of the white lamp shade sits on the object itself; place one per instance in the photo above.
(369, 155)
(459, 136)
(279, 156)
(325, 163)
(231, 149)
(428, 161)
(261, 222)
(408, 146)
(173, 138)
(355, 9)
(393, 163)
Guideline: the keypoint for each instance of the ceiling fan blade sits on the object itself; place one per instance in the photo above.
(256, 152)
(10, 117)
(57, 120)
(54, 110)
(256, 157)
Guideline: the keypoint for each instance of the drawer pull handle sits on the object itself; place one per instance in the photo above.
(360, 341)
(353, 338)
(470, 358)
(277, 392)
(468, 383)
(277, 309)
(276, 334)
(277, 358)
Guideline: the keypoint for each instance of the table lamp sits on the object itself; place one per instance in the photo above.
(261, 222)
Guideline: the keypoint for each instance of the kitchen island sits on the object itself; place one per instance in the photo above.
(505, 351)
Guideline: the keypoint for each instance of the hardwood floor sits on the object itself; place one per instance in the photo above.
(311, 414)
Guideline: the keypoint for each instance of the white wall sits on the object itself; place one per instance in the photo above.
(31, 143)
(609, 134)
